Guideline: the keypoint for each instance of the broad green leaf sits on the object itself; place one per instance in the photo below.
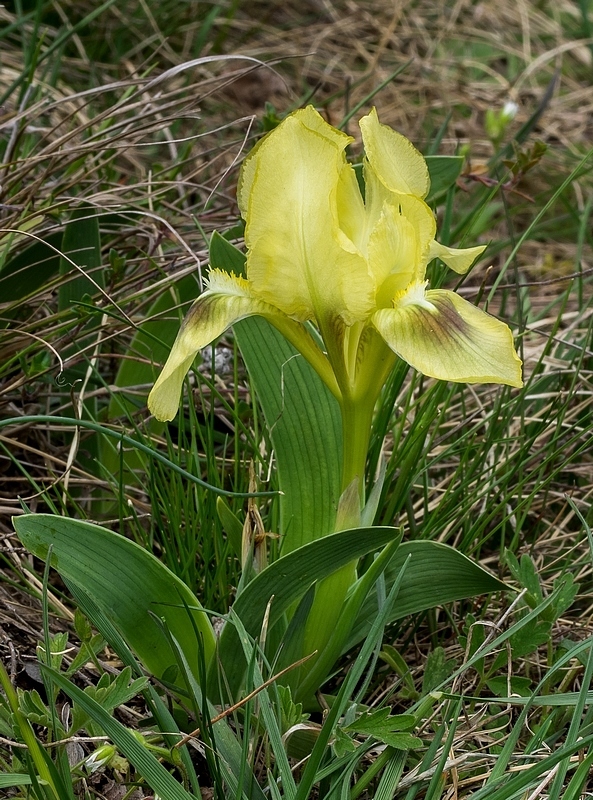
(501, 685)
(436, 574)
(286, 580)
(443, 171)
(302, 416)
(343, 744)
(16, 779)
(29, 269)
(292, 641)
(224, 255)
(157, 706)
(148, 349)
(126, 582)
(82, 244)
(529, 638)
(381, 720)
(34, 708)
(438, 669)
(110, 692)
(389, 784)
(399, 741)
(305, 428)
(157, 777)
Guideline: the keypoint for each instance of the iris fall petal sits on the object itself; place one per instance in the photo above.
(445, 337)
(227, 300)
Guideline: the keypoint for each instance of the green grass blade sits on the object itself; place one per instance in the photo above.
(505, 755)
(227, 748)
(391, 776)
(157, 777)
(43, 764)
(521, 783)
(267, 711)
(574, 729)
(437, 782)
(580, 780)
(231, 525)
(353, 676)
(134, 443)
(568, 181)
(14, 779)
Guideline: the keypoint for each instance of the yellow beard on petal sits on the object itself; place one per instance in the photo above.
(414, 295)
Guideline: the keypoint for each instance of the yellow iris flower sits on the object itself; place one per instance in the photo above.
(318, 252)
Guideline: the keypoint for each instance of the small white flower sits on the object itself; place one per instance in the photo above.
(509, 110)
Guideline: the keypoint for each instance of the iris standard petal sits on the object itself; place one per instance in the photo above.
(394, 158)
(459, 260)
(351, 208)
(298, 258)
(227, 300)
(311, 120)
(394, 255)
(445, 337)
(400, 240)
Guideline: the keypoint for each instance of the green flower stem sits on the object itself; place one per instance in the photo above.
(331, 593)
(357, 417)
(330, 596)
(360, 362)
